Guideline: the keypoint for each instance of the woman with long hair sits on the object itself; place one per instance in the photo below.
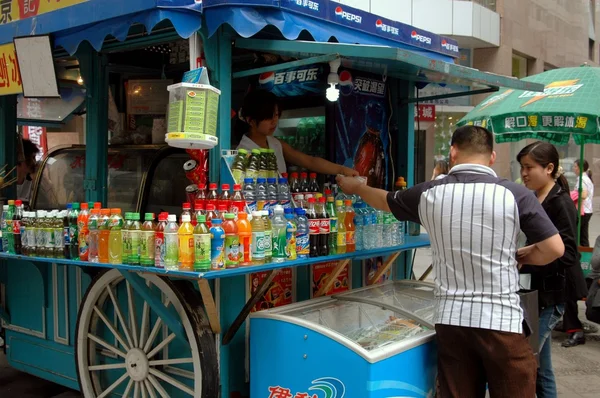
(539, 171)
(258, 120)
(587, 195)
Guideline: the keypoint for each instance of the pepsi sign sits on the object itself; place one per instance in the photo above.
(348, 16)
(449, 46)
(423, 39)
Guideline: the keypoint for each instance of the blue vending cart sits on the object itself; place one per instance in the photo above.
(113, 330)
(364, 344)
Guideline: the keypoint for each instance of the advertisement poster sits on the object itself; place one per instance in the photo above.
(300, 81)
(15, 10)
(281, 292)
(371, 267)
(362, 118)
(10, 77)
(319, 274)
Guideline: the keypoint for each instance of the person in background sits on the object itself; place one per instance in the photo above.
(26, 168)
(540, 173)
(259, 117)
(587, 195)
(440, 170)
(474, 219)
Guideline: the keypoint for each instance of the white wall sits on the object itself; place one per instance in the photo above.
(462, 19)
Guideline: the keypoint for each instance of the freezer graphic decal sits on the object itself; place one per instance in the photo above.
(326, 387)
(398, 387)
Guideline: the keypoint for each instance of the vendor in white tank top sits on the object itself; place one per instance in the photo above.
(261, 111)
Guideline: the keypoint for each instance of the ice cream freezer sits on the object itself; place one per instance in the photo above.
(373, 342)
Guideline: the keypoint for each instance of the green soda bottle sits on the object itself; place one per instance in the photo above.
(40, 239)
(126, 239)
(135, 232)
(201, 245)
(49, 242)
(147, 240)
(115, 238)
(263, 171)
(58, 231)
(239, 166)
(172, 244)
(253, 165)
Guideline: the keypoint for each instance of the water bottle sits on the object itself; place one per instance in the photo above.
(388, 230)
(250, 194)
(359, 224)
(400, 232)
(302, 236)
(364, 212)
(284, 196)
(261, 193)
(272, 195)
(279, 227)
(379, 229)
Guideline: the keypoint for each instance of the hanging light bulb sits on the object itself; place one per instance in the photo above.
(332, 93)
(80, 80)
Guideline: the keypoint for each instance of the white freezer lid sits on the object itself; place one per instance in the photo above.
(374, 332)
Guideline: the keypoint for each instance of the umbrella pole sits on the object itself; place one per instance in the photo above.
(580, 191)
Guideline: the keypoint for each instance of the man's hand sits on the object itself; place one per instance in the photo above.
(349, 185)
(348, 172)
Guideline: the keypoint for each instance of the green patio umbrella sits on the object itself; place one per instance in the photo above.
(569, 106)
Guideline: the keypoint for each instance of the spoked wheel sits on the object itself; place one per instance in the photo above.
(124, 349)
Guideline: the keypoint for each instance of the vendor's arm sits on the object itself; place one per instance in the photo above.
(313, 163)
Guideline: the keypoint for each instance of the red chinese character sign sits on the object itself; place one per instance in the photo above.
(281, 291)
(15, 10)
(10, 77)
(425, 113)
(320, 275)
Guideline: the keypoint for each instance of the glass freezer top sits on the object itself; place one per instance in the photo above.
(369, 326)
(416, 298)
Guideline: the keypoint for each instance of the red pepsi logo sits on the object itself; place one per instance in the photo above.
(339, 11)
(379, 24)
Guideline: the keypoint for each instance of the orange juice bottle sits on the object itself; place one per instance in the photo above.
(245, 233)
(186, 244)
(232, 241)
(104, 227)
(350, 228)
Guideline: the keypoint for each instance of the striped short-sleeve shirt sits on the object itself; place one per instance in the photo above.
(473, 219)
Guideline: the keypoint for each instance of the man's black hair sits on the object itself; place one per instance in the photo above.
(29, 149)
(473, 139)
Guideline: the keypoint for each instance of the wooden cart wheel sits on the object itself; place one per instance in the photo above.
(124, 349)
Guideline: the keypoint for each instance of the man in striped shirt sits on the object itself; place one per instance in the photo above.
(474, 218)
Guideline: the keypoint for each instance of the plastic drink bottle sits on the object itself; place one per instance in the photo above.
(201, 245)
(115, 237)
(272, 195)
(261, 193)
(212, 197)
(272, 164)
(232, 241)
(303, 184)
(239, 166)
(186, 209)
(379, 228)
(263, 171)
(249, 192)
(210, 214)
(186, 244)
(324, 227)
(4, 228)
(359, 221)
(350, 228)
(171, 243)
(135, 236)
(126, 251)
(268, 236)
(16, 225)
(222, 210)
(57, 226)
(291, 230)
(24, 224)
(253, 165)
(199, 209)
(302, 237)
(333, 225)
(49, 234)
(294, 185)
(314, 230)
(201, 195)
(245, 234)
(74, 232)
(217, 245)
(225, 198)
(93, 235)
(283, 192)
(66, 236)
(258, 238)
(159, 241)
(341, 227)
(313, 185)
(40, 236)
(147, 242)
(237, 200)
(279, 225)
(10, 246)
(104, 234)
(83, 232)
(388, 231)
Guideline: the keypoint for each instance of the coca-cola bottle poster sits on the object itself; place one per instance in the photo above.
(362, 117)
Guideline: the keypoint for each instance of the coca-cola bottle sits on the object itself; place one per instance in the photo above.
(225, 198)
(303, 184)
(237, 200)
(313, 228)
(324, 227)
(313, 185)
(294, 184)
(201, 196)
(212, 198)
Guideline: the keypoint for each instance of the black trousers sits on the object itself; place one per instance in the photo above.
(585, 230)
(571, 320)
